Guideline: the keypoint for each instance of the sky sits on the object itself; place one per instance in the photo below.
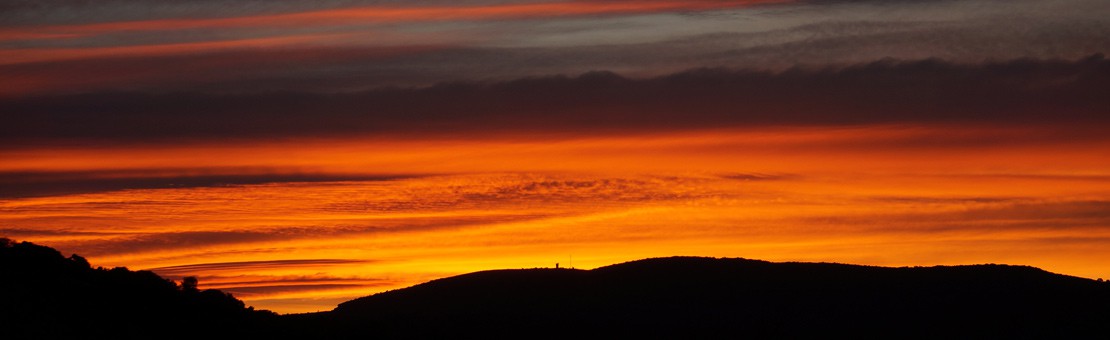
(300, 154)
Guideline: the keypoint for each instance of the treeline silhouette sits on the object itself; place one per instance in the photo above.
(46, 295)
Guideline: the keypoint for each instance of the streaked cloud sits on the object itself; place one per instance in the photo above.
(381, 14)
(352, 46)
(189, 269)
(299, 154)
(26, 184)
(295, 246)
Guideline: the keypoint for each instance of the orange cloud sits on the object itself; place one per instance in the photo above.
(860, 195)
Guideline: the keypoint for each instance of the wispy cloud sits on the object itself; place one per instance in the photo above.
(302, 153)
(295, 246)
(341, 46)
(49, 183)
(381, 14)
(209, 268)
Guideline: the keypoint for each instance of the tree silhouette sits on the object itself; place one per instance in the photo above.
(189, 284)
(44, 295)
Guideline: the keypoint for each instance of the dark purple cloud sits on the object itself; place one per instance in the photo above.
(985, 214)
(267, 289)
(191, 269)
(135, 243)
(1040, 92)
(28, 184)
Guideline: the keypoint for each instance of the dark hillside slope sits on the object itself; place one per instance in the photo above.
(44, 295)
(686, 296)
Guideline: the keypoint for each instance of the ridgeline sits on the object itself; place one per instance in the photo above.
(46, 295)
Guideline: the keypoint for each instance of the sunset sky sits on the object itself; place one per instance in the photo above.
(300, 154)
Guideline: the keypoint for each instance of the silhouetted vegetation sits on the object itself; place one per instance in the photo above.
(46, 295)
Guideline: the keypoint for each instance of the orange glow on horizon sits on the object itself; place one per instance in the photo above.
(298, 155)
(867, 194)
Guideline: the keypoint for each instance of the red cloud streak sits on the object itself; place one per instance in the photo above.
(379, 14)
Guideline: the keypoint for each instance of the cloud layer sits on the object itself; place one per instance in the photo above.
(306, 246)
(213, 46)
(303, 153)
(929, 91)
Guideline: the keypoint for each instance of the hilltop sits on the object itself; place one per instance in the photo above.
(709, 297)
(46, 295)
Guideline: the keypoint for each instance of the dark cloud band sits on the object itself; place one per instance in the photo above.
(27, 184)
(929, 91)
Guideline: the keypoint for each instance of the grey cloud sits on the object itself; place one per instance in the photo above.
(771, 38)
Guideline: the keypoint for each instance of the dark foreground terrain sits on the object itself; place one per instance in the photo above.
(46, 295)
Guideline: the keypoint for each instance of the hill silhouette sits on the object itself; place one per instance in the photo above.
(681, 297)
(46, 295)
